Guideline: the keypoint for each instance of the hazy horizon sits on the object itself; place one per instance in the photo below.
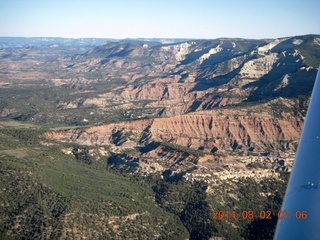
(203, 19)
(164, 38)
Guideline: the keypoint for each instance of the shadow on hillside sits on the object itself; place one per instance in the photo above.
(203, 84)
(299, 82)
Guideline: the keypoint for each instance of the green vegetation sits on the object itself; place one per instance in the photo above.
(244, 45)
(32, 210)
(186, 150)
(44, 103)
(247, 195)
(188, 201)
(256, 165)
(278, 108)
(48, 194)
(311, 51)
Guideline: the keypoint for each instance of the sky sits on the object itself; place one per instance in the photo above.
(207, 19)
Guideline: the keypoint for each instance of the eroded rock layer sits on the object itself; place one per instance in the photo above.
(223, 133)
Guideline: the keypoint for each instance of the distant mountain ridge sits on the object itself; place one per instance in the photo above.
(210, 72)
(43, 41)
(158, 79)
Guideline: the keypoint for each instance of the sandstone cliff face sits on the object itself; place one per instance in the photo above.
(212, 133)
(225, 133)
(213, 146)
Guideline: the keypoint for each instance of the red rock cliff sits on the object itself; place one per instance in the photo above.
(210, 132)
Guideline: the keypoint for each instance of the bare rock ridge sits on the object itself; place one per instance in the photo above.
(211, 145)
(201, 74)
(195, 131)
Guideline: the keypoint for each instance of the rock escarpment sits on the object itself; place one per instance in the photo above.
(208, 145)
(210, 133)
